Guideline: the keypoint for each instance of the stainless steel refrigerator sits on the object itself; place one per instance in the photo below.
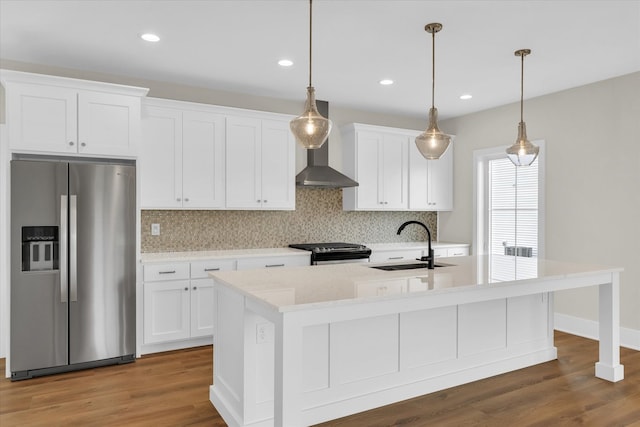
(73, 268)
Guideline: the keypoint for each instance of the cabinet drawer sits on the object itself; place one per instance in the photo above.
(273, 261)
(161, 272)
(458, 251)
(440, 253)
(403, 255)
(201, 269)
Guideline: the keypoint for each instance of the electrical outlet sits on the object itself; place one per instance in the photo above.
(155, 229)
(262, 333)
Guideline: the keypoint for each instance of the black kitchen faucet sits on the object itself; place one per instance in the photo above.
(430, 259)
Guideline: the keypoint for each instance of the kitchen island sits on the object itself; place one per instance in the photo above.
(303, 345)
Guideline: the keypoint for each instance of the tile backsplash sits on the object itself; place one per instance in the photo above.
(318, 218)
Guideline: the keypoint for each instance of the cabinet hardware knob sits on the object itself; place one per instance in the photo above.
(195, 287)
(71, 143)
(264, 201)
(178, 199)
(82, 144)
(186, 289)
(186, 199)
(258, 201)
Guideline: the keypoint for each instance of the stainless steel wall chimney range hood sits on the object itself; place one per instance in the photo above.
(318, 174)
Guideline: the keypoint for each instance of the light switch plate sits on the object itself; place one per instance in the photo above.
(155, 229)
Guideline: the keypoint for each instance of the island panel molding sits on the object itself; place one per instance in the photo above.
(305, 345)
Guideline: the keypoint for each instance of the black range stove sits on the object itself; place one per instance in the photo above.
(335, 252)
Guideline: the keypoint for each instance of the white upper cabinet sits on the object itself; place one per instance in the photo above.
(260, 164)
(377, 158)
(430, 181)
(392, 173)
(77, 117)
(182, 156)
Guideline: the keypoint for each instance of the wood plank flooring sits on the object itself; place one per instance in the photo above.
(172, 389)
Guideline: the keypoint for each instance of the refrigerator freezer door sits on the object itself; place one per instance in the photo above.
(38, 310)
(102, 230)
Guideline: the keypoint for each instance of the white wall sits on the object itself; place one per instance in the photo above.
(592, 136)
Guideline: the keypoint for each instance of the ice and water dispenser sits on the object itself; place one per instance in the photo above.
(39, 248)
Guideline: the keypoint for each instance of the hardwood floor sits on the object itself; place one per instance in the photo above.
(172, 389)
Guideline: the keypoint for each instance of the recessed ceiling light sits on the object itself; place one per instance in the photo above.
(386, 82)
(285, 63)
(466, 96)
(149, 37)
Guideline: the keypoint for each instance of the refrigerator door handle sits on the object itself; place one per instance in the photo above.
(73, 245)
(63, 248)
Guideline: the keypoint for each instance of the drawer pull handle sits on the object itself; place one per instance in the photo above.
(274, 265)
(396, 257)
(212, 269)
(167, 272)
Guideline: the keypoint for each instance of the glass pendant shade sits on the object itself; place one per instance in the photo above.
(432, 143)
(522, 152)
(310, 129)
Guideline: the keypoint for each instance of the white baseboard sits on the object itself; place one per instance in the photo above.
(629, 338)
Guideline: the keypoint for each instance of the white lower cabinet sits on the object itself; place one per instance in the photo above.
(178, 301)
(178, 298)
(409, 254)
(166, 311)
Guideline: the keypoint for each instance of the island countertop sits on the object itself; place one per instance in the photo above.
(297, 288)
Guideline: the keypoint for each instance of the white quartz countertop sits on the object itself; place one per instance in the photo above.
(298, 288)
(220, 254)
(154, 257)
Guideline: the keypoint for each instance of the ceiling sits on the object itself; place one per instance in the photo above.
(235, 45)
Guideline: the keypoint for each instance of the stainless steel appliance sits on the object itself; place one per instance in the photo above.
(73, 234)
(335, 252)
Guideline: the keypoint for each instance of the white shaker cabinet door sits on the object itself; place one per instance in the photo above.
(161, 158)
(430, 181)
(42, 118)
(166, 311)
(108, 124)
(243, 165)
(393, 165)
(278, 166)
(202, 160)
(368, 171)
(202, 310)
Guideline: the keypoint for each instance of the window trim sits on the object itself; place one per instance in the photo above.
(480, 196)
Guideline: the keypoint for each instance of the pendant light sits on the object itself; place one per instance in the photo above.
(522, 152)
(432, 143)
(310, 129)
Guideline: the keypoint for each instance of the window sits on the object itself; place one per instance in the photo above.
(509, 209)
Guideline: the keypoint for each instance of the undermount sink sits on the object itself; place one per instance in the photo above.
(396, 267)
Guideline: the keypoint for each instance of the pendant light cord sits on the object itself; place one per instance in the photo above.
(310, 35)
(433, 68)
(522, 88)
